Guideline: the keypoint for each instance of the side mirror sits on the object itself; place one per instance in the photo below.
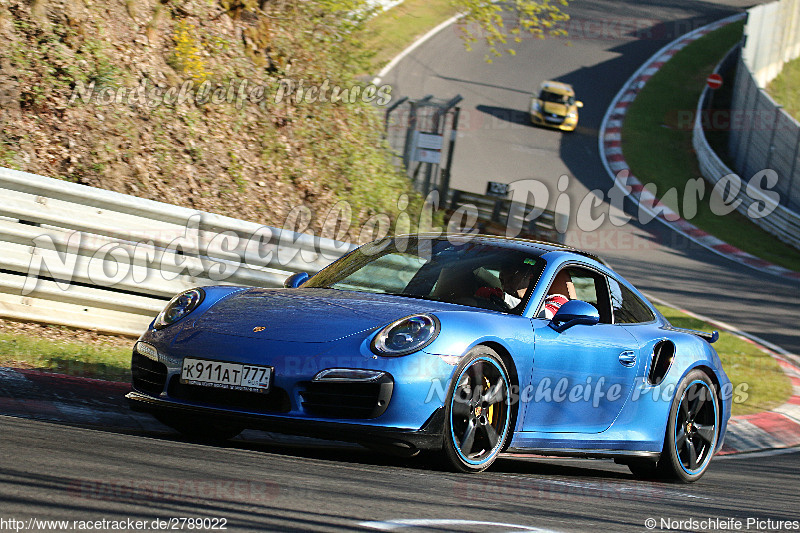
(295, 280)
(574, 313)
(579, 104)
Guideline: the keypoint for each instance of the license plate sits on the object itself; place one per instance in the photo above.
(233, 376)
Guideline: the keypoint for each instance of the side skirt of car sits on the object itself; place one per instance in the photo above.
(587, 454)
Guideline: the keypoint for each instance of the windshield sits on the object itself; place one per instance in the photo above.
(466, 273)
(547, 96)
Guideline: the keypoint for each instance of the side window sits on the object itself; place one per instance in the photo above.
(583, 284)
(626, 306)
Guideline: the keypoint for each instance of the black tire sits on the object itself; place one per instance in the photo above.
(477, 413)
(692, 429)
(200, 429)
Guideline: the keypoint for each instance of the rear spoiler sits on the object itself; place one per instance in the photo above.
(711, 338)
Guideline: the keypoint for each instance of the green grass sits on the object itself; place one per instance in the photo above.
(75, 359)
(766, 385)
(657, 143)
(785, 89)
(398, 27)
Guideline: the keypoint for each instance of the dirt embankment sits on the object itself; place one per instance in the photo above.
(181, 102)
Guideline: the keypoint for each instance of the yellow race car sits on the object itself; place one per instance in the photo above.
(555, 106)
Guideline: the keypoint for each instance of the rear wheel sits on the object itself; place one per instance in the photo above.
(692, 430)
(478, 413)
(202, 429)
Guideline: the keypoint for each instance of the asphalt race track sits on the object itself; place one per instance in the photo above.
(608, 42)
(51, 472)
(67, 472)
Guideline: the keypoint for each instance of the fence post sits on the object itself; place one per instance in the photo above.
(410, 129)
(426, 187)
(771, 148)
(450, 149)
(743, 165)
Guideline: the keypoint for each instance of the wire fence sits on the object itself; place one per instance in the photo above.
(421, 134)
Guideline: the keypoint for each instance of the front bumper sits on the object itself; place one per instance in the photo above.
(428, 437)
(566, 124)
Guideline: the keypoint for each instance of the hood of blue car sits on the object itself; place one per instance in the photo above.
(308, 315)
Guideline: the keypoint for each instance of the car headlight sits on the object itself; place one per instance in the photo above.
(180, 306)
(573, 114)
(535, 106)
(406, 335)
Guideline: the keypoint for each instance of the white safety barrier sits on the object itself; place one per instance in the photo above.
(83, 257)
(781, 222)
(762, 134)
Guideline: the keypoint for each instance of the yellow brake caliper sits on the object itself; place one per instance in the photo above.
(488, 386)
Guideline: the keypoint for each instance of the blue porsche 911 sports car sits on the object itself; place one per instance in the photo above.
(459, 344)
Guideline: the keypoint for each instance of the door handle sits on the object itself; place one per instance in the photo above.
(627, 358)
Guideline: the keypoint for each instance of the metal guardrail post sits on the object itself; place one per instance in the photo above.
(771, 148)
(498, 206)
(451, 148)
(410, 129)
(426, 187)
(391, 108)
(455, 199)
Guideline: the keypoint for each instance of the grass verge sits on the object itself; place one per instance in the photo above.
(657, 143)
(55, 349)
(107, 358)
(398, 27)
(745, 363)
(785, 88)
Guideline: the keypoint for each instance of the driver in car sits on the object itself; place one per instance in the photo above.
(515, 280)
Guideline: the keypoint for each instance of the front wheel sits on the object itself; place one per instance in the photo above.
(692, 429)
(478, 413)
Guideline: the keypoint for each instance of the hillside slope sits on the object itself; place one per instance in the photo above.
(188, 103)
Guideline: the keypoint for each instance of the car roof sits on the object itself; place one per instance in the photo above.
(558, 87)
(542, 247)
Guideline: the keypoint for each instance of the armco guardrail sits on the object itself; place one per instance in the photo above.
(84, 257)
(781, 222)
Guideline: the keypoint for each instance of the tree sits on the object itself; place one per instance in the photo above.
(497, 23)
